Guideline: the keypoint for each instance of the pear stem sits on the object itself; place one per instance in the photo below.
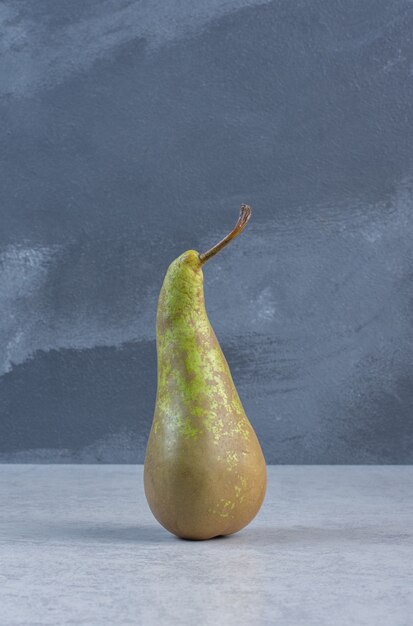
(244, 216)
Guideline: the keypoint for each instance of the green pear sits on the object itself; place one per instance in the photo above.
(205, 472)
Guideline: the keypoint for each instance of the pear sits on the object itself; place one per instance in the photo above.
(204, 472)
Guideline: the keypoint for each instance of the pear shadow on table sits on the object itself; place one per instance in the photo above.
(111, 533)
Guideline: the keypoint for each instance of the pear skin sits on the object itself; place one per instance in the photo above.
(204, 473)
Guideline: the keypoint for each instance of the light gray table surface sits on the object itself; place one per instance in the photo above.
(331, 545)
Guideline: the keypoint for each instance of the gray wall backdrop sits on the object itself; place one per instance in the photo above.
(131, 131)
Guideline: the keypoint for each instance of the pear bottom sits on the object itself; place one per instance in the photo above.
(200, 494)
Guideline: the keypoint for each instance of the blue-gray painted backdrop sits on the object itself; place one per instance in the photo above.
(131, 131)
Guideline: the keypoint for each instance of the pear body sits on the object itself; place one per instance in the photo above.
(204, 473)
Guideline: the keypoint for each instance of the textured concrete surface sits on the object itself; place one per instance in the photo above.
(131, 131)
(78, 545)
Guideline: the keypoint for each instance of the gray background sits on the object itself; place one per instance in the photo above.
(131, 131)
